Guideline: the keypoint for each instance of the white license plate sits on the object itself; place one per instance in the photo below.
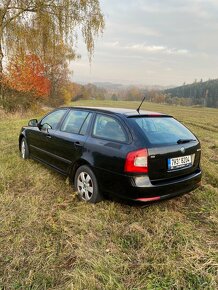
(179, 162)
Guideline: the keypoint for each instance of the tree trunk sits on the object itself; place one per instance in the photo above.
(1, 71)
(1, 59)
(1, 66)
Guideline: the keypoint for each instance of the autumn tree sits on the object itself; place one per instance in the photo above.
(133, 94)
(114, 97)
(42, 26)
(26, 81)
(27, 76)
(86, 92)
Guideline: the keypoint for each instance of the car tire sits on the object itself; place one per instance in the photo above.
(86, 185)
(24, 149)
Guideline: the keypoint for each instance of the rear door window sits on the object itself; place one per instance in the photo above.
(74, 121)
(163, 130)
(109, 128)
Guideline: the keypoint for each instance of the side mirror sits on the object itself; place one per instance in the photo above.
(33, 123)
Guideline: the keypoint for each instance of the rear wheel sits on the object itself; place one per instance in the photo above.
(24, 150)
(86, 185)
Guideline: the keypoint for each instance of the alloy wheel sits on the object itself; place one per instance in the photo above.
(85, 186)
(23, 149)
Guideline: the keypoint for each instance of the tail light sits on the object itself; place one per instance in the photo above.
(137, 161)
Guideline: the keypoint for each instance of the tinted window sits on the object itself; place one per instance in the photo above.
(53, 118)
(109, 128)
(74, 121)
(163, 130)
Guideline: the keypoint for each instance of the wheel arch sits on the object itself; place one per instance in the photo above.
(76, 165)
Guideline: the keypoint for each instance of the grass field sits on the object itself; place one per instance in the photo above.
(50, 240)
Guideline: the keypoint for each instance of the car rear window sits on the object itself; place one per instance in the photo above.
(109, 128)
(162, 130)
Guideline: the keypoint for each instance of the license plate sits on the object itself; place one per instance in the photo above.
(179, 162)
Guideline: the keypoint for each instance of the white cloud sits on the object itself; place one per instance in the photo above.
(112, 44)
(147, 48)
(141, 47)
(155, 42)
(178, 51)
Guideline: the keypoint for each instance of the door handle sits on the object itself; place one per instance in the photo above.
(78, 144)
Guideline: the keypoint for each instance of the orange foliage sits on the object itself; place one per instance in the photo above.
(28, 76)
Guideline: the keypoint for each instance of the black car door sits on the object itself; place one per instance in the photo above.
(109, 144)
(67, 142)
(39, 138)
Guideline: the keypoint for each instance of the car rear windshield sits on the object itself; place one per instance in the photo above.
(163, 130)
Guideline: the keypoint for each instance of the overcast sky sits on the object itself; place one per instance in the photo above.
(165, 42)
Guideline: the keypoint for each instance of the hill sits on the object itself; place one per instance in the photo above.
(199, 93)
(108, 85)
(115, 87)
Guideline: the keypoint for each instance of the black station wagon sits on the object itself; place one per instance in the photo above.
(142, 156)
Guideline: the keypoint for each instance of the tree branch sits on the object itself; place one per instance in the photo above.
(18, 14)
(5, 9)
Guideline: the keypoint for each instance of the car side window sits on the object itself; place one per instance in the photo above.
(109, 128)
(74, 121)
(53, 119)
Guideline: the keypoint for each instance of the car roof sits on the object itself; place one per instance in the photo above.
(120, 111)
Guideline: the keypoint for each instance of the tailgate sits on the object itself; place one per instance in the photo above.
(159, 161)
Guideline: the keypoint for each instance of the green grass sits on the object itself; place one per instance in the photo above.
(50, 240)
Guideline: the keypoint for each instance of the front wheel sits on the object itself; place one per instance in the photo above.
(24, 150)
(86, 185)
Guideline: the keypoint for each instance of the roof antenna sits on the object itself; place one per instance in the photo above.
(140, 105)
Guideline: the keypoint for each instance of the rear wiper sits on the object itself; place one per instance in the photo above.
(182, 141)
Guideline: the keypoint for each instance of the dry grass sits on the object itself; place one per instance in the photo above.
(49, 240)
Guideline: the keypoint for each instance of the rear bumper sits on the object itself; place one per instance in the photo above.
(140, 188)
(172, 194)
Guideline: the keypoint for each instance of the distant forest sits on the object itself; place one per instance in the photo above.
(197, 93)
(200, 93)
